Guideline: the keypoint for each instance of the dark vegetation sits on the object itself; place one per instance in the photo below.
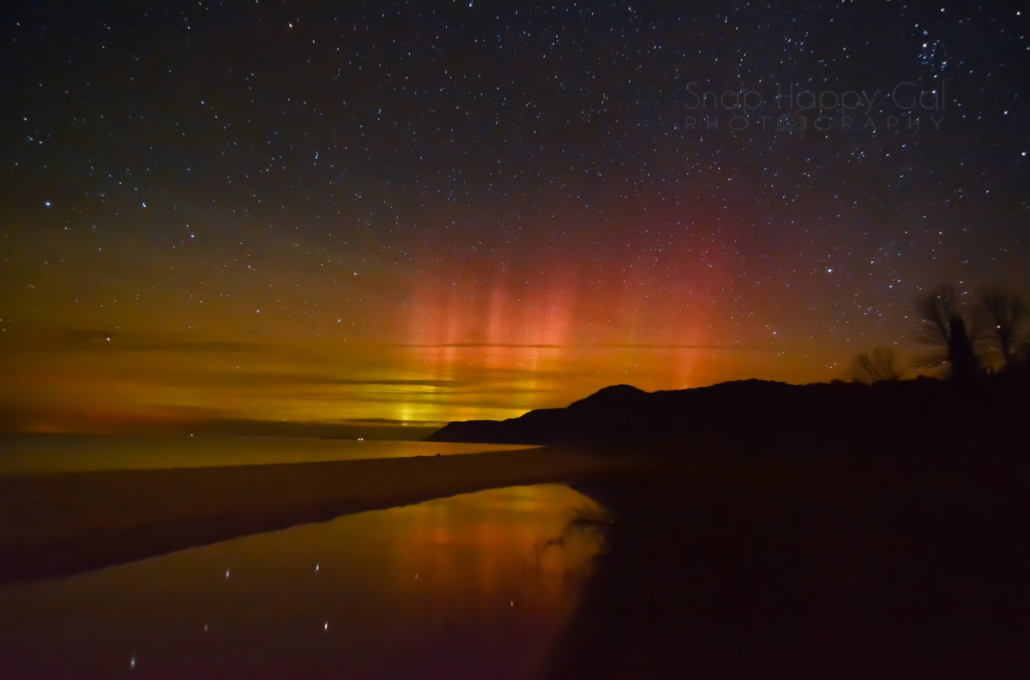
(965, 342)
(761, 411)
(868, 529)
(979, 360)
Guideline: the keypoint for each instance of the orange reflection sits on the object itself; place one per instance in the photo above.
(468, 582)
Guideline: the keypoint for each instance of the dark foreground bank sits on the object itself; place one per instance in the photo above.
(62, 524)
(817, 564)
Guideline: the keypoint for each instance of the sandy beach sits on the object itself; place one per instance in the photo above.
(62, 524)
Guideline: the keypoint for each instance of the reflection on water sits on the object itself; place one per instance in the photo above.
(25, 454)
(463, 587)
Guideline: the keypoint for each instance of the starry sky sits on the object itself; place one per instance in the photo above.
(373, 212)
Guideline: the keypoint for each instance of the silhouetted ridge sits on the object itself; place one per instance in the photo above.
(616, 395)
(760, 409)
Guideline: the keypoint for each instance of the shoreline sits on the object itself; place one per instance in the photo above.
(63, 524)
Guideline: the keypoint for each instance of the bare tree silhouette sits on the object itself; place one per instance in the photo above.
(945, 328)
(880, 365)
(1004, 315)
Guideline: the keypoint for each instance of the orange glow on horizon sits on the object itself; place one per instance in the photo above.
(459, 341)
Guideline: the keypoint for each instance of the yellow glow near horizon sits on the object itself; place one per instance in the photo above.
(438, 350)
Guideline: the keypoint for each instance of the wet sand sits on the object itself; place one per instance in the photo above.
(62, 524)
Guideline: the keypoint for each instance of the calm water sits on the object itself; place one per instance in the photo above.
(464, 587)
(25, 454)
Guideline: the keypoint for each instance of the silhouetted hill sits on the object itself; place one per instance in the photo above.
(761, 409)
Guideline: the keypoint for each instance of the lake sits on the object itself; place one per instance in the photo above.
(472, 586)
(48, 453)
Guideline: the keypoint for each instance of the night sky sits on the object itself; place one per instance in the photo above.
(434, 211)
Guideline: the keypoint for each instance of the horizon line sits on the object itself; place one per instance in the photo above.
(507, 345)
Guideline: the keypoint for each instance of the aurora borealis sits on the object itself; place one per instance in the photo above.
(421, 212)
